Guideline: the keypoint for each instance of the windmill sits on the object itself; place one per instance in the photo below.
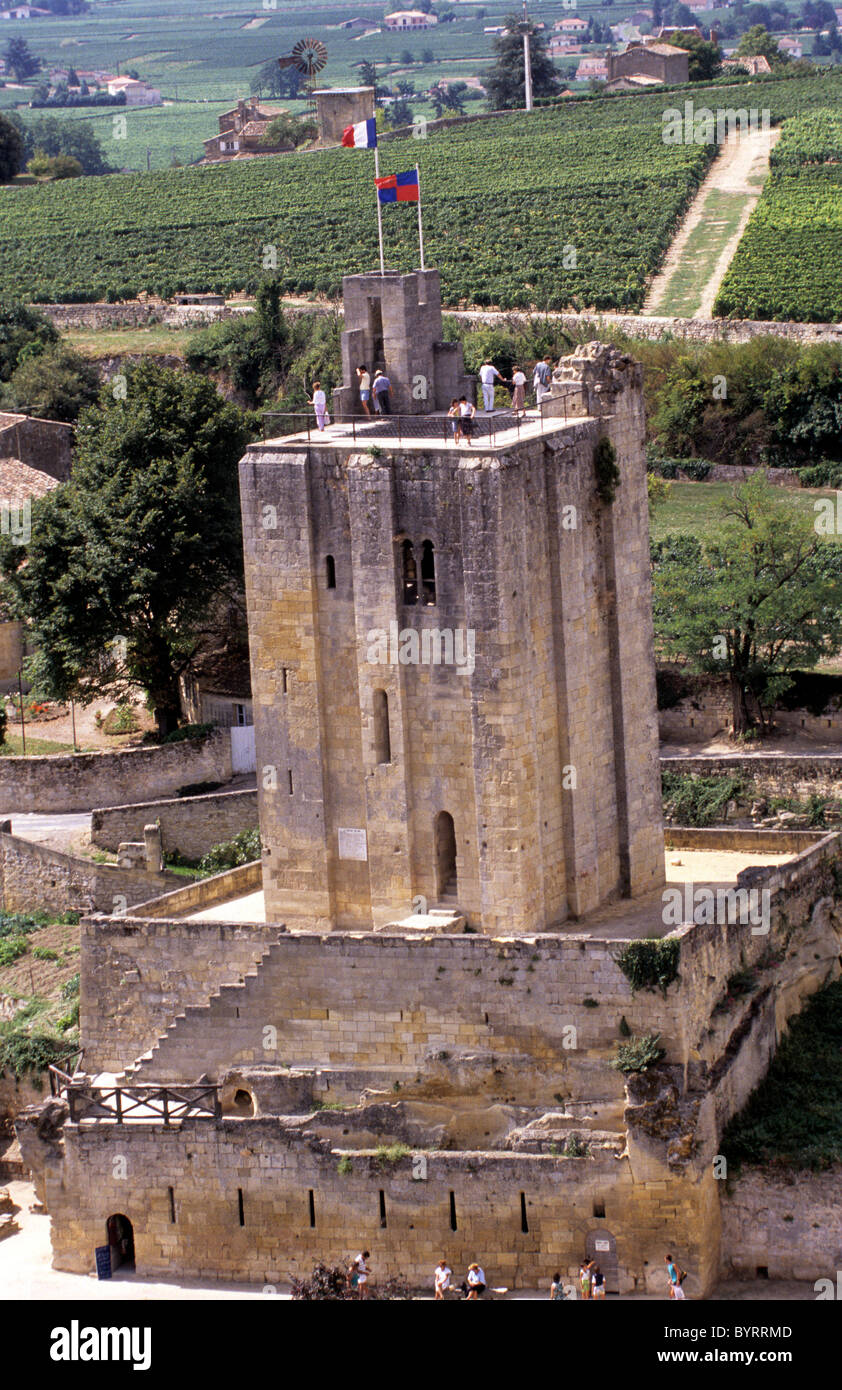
(308, 57)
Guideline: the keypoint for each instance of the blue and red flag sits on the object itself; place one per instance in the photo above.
(398, 188)
(362, 136)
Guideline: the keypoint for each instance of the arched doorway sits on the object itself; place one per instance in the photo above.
(602, 1247)
(447, 878)
(120, 1237)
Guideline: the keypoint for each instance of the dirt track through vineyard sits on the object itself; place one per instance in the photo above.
(699, 253)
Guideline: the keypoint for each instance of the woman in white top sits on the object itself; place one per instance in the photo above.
(319, 404)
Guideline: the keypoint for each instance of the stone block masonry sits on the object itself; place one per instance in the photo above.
(79, 781)
(33, 877)
(191, 825)
(554, 730)
(788, 1223)
(241, 1194)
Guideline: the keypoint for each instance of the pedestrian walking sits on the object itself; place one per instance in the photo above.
(364, 380)
(467, 411)
(455, 419)
(363, 1271)
(676, 1278)
(597, 1282)
(319, 403)
(519, 392)
(441, 1278)
(541, 378)
(488, 374)
(585, 1278)
(475, 1282)
(381, 387)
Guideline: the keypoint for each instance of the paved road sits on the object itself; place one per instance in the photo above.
(34, 825)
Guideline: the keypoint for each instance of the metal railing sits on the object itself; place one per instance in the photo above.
(495, 428)
(128, 1104)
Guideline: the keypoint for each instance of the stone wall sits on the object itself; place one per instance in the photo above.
(43, 444)
(652, 327)
(34, 877)
(218, 1170)
(133, 314)
(79, 781)
(770, 774)
(204, 892)
(137, 976)
(191, 825)
(789, 1224)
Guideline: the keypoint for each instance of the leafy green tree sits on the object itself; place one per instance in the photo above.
(22, 330)
(54, 166)
(705, 57)
(55, 384)
(400, 113)
(11, 150)
(760, 600)
(505, 83)
(21, 60)
(289, 130)
(57, 136)
(275, 81)
(757, 42)
(129, 557)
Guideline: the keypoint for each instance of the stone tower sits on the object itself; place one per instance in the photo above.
(452, 667)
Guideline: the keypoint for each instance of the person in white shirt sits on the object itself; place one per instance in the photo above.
(363, 1272)
(364, 379)
(518, 395)
(441, 1278)
(319, 404)
(488, 373)
(476, 1281)
(467, 411)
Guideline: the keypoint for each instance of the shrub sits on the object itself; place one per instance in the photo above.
(650, 964)
(574, 1148)
(12, 949)
(45, 953)
(121, 720)
(243, 849)
(344, 1166)
(391, 1153)
(699, 800)
(639, 1054)
(329, 1283)
(29, 1053)
(70, 988)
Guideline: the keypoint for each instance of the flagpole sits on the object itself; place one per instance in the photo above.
(379, 212)
(420, 226)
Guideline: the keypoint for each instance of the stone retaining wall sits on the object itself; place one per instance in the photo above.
(788, 1224)
(34, 877)
(78, 781)
(191, 825)
(770, 774)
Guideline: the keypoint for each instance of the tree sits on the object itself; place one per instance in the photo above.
(427, 55)
(23, 331)
(760, 600)
(368, 75)
(139, 545)
(290, 131)
(407, 58)
(757, 42)
(506, 82)
(275, 81)
(20, 60)
(400, 113)
(72, 138)
(448, 99)
(54, 166)
(705, 56)
(54, 382)
(11, 150)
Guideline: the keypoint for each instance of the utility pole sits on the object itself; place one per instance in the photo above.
(527, 58)
(22, 725)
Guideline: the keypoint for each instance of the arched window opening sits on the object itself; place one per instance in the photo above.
(410, 574)
(330, 571)
(428, 573)
(447, 878)
(382, 739)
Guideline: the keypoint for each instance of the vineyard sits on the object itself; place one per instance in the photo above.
(789, 262)
(573, 205)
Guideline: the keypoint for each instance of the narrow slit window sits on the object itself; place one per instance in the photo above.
(241, 1211)
(382, 1208)
(284, 680)
(382, 737)
(330, 572)
(410, 574)
(428, 573)
(311, 1203)
(289, 777)
(524, 1224)
(453, 1226)
(171, 1195)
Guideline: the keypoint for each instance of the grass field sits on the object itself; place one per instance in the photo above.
(697, 508)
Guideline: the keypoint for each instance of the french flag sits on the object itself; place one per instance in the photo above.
(362, 136)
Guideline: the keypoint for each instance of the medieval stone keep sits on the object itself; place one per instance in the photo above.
(414, 1049)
